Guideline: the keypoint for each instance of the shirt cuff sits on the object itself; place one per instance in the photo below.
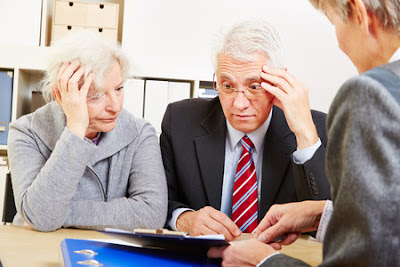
(174, 217)
(266, 258)
(300, 156)
(323, 223)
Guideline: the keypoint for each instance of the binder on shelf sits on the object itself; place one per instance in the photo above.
(6, 85)
(207, 93)
(3, 185)
(37, 100)
(206, 90)
(158, 94)
(178, 91)
(79, 252)
(156, 101)
(9, 203)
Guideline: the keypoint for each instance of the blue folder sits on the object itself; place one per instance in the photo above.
(6, 85)
(108, 254)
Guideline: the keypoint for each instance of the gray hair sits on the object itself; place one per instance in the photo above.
(386, 11)
(95, 53)
(246, 38)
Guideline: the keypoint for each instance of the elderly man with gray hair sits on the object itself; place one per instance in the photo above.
(361, 225)
(227, 160)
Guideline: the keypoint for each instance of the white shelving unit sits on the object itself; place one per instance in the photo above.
(27, 64)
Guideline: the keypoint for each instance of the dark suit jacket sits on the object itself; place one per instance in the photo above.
(193, 150)
(363, 167)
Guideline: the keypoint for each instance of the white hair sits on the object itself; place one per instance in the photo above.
(386, 11)
(246, 38)
(95, 53)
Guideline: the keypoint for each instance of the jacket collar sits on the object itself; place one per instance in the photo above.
(210, 150)
(276, 159)
(48, 124)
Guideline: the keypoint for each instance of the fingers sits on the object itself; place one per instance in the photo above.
(272, 233)
(290, 239)
(65, 73)
(224, 225)
(86, 86)
(278, 78)
(275, 91)
(262, 226)
(208, 221)
(280, 83)
(57, 95)
(242, 253)
(216, 252)
(272, 217)
(276, 245)
(61, 71)
(74, 80)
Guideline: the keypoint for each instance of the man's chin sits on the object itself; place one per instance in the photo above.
(244, 127)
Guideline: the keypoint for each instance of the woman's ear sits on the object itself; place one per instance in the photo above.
(363, 18)
(57, 95)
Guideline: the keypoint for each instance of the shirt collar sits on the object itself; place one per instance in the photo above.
(396, 55)
(257, 136)
(96, 139)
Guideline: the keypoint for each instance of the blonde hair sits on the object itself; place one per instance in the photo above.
(246, 38)
(95, 53)
(386, 11)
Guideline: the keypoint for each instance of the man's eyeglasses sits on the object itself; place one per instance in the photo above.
(251, 92)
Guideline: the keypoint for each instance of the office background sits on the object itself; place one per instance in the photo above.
(169, 44)
(171, 39)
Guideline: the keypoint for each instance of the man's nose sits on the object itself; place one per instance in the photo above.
(241, 101)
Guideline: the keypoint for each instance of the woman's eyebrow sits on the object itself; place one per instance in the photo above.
(120, 84)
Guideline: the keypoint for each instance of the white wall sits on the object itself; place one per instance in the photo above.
(173, 39)
(20, 22)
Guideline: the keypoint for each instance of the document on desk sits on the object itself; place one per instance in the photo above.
(170, 240)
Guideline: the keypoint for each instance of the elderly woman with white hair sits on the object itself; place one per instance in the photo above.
(82, 160)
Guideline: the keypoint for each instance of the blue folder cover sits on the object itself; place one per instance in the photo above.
(6, 85)
(121, 255)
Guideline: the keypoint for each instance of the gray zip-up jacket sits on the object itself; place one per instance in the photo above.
(60, 180)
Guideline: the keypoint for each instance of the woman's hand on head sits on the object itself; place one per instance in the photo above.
(71, 96)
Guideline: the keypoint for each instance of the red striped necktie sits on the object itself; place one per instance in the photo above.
(244, 200)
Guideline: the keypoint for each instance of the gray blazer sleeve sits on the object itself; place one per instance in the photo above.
(283, 260)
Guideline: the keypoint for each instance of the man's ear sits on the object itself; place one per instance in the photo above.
(57, 95)
(364, 19)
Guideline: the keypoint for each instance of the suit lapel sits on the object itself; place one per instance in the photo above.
(210, 149)
(276, 160)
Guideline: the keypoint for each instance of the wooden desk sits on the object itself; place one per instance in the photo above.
(306, 249)
(21, 246)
